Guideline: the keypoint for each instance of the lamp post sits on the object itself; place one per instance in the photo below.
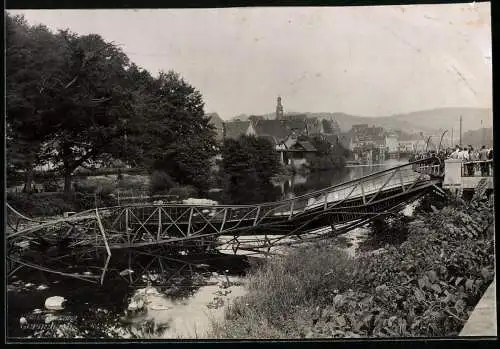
(460, 130)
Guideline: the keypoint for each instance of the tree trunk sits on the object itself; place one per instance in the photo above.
(67, 182)
(28, 181)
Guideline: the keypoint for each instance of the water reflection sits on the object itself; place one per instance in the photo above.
(300, 184)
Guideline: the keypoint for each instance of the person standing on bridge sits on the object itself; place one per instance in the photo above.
(464, 156)
(471, 158)
(483, 156)
(455, 154)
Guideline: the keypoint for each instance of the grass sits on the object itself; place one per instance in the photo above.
(279, 289)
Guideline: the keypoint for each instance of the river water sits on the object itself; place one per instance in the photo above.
(182, 309)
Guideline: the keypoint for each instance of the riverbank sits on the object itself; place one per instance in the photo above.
(426, 286)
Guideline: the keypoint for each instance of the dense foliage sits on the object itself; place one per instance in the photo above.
(427, 286)
(77, 101)
(249, 164)
(329, 156)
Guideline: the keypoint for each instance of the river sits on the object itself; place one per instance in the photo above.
(183, 309)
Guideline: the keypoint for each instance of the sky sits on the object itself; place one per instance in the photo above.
(366, 61)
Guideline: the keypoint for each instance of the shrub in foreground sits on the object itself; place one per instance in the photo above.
(427, 286)
(280, 287)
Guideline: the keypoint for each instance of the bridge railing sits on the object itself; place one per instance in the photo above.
(483, 168)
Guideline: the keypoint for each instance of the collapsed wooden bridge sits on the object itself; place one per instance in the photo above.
(167, 232)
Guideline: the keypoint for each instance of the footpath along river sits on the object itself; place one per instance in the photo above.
(183, 310)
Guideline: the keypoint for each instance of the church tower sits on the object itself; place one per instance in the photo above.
(279, 109)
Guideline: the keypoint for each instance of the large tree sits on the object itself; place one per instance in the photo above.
(75, 101)
(176, 136)
(249, 164)
(31, 56)
(69, 94)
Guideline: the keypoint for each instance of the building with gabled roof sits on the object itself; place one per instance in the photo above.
(273, 128)
(236, 129)
(218, 124)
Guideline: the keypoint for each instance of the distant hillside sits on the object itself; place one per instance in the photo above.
(421, 121)
(416, 122)
(477, 138)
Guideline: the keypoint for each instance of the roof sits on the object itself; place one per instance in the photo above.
(314, 126)
(235, 129)
(270, 138)
(217, 122)
(274, 128)
(296, 117)
(306, 145)
(332, 139)
(215, 119)
(295, 124)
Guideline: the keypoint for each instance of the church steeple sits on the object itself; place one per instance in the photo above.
(279, 109)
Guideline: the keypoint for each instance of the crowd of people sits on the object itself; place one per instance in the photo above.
(474, 159)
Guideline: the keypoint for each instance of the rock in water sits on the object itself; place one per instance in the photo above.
(132, 306)
(126, 272)
(55, 303)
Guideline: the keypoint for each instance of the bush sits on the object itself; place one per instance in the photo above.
(137, 182)
(51, 185)
(161, 183)
(41, 204)
(392, 230)
(184, 192)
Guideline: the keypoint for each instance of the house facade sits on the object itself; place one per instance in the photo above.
(296, 152)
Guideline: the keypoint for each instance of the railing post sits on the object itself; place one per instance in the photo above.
(159, 224)
(223, 220)
(256, 216)
(190, 221)
(401, 180)
(291, 209)
(126, 225)
(362, 192)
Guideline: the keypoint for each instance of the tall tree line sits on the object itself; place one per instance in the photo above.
(77, 100)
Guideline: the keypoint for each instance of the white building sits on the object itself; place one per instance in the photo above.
(391, 143)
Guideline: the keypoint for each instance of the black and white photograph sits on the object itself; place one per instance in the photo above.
(261, 173)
